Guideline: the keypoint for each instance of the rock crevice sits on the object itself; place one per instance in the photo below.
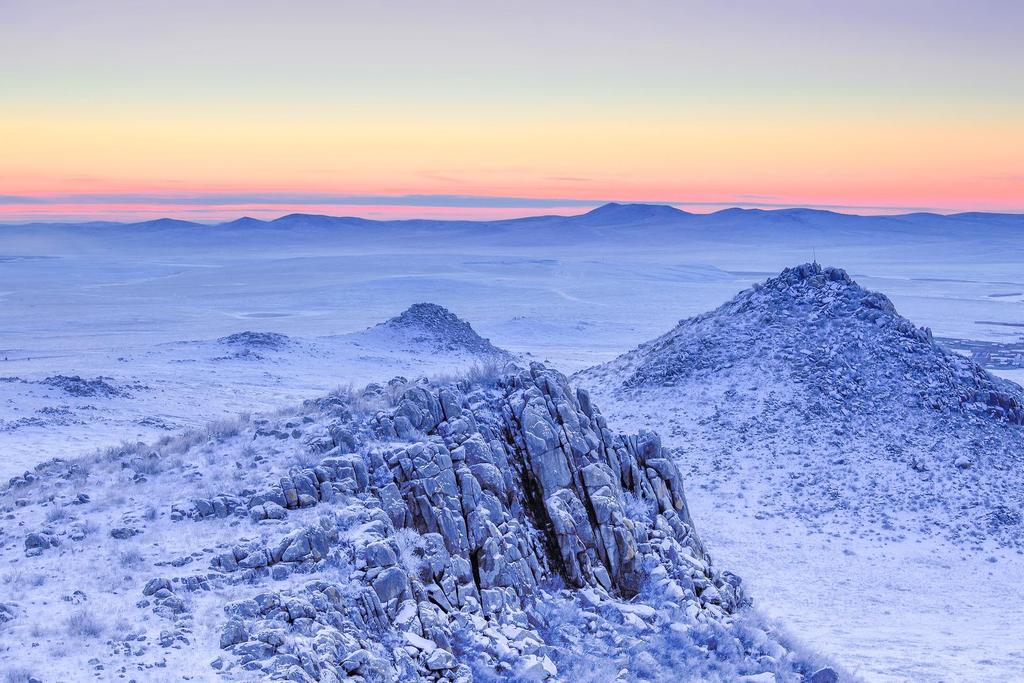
(475, 499)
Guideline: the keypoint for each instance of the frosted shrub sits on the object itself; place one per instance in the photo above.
(221, 430)
(306, 459)
(19, 579)
(468, 650)
(589, 669)
(57, 514)
(639, 509)
(123, 630)
(84, 624)
(686, 651)
(79, 471)
(410, 550)
(360, 402)
(485, 374)
(131, 559)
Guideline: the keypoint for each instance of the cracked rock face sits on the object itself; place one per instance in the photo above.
(537, 469)
(465, 532)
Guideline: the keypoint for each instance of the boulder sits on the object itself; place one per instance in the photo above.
(391, 583)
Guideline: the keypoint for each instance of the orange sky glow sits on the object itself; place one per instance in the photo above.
(472, 111)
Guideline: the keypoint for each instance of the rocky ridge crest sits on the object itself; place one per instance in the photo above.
(465, 532)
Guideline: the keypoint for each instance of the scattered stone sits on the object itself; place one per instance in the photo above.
(824, 675)
(36, 543)
(124, 532)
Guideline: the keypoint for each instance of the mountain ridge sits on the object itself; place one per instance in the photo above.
(630, 212)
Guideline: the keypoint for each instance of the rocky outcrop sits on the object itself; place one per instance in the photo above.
(493, 528)
(300, 488)
(37, 542)
(441, 544)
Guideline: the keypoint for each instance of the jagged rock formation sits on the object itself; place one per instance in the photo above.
(454, 533)
(552, 457)
(502, 496)
(856, 407)
(440, 329)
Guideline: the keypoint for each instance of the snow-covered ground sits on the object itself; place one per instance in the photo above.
(888, 610)
(888, 605)
(154, 324)
(147, 313)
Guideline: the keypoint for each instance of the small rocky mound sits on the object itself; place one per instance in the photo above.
(256, 340)
(78, 387)
(440, 329)
(467, 532)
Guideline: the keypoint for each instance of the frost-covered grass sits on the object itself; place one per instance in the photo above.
(18, 579)
(885, 592)
(131, 558)
(85, 589)
(104, 602)
(84, 623)
(681, 650)
(485, 373)
(17, 675)
(57, 514)
(410, 550)
(362, 402)
(636, 507)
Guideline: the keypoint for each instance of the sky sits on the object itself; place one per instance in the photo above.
(124, 110)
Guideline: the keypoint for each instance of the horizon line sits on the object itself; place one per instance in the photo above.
(290, 204)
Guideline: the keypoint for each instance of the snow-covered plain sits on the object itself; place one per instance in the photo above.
(147, 307)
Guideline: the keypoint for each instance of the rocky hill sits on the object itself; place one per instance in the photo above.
(832, 403)
(489, 531)
(434, 328)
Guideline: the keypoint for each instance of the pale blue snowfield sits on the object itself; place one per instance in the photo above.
(144, 307)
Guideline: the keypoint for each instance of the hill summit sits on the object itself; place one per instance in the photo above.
(615, 213)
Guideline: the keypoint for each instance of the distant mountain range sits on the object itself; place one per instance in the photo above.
(610, 214)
